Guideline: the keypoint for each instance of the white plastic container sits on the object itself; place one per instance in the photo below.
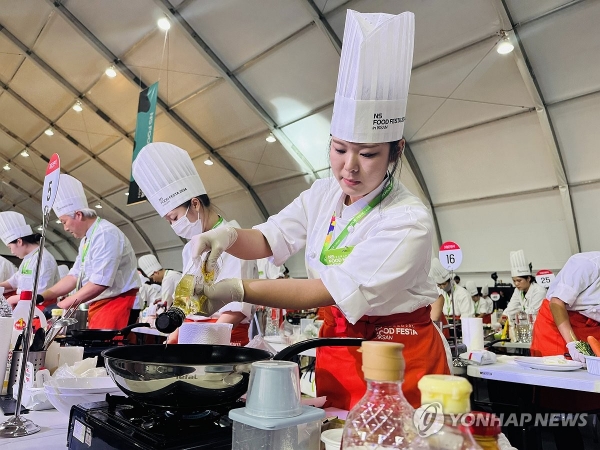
(593, 364)
(20, 317)
(332, 438)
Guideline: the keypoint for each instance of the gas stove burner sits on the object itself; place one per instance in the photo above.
(190, 416)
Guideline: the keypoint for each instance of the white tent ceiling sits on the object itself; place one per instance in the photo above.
(502, 147)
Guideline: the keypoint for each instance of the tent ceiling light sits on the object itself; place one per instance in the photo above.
(164, 24)
(98, 206)
(111, 71)
(25, 153)
(127, 193)
(271, 138)
(58, 221)
(49, 132)
(6, 167)
(78, 106)
(208, 161)
(504, 46)
(40, 228)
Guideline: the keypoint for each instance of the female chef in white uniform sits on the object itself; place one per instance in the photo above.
(168, 178)
(24, 244)
(368, 240)
(528, 295)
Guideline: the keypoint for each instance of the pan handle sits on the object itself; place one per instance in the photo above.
(295, 349)
(125, 331)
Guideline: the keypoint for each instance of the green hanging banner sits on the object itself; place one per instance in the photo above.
(144, 132)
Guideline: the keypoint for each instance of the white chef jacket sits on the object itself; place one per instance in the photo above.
(386, 272)
(168, 285)
(578, 283)
(147, 295)
(7, 269)
(463, 303)
(110, 261)
(485, 305)
(229, 267)
(267, 270)
(530, 302)
(22, 279)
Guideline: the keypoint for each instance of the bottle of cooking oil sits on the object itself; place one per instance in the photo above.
(188, 298)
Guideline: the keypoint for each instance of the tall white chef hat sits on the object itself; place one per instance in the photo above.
(167, 176)
(149, 264)
(373, 79)
(485, 290)
(13, 227)
(519, 267)
(70, 196)
(437, 272)
(472, 288)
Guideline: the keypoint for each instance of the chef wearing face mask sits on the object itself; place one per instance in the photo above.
(167, 278)
(462, 299)
(528, 295)
(168, 178)
(25, 245)
(368, 240)
(105, 271)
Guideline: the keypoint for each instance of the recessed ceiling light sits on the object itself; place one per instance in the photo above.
(25, 153)
(49, 132)
(208, 161)
(164, 24)
(6, 167)
(98, 206)
(77, 106)
(111, 72)
(271, 138)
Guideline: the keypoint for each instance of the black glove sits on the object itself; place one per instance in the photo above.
(39, 299)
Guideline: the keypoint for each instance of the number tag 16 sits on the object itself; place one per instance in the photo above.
(450, 255)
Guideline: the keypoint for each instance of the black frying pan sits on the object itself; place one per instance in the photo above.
(193, 376)
(105, 335)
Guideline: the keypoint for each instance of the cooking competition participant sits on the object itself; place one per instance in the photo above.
(463, 306)
(25, 244)
(166, 278)
(7, 269)
(368, 239)
(168, 178)
(481, 306)
(105, 271)
(528, 295)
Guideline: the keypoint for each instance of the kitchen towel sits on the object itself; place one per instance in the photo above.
(472, 333)
(6, 328)
(70, 355)
(205, 333)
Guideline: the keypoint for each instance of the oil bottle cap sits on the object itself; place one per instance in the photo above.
(451, 391)
(382, 361)
(57, 312)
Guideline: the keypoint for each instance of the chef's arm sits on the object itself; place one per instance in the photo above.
(287, 293)
(233, 317)
(63, 287)
(7, 286)
(436, 309)
(88, 291)
(561, 319)
(250, 244)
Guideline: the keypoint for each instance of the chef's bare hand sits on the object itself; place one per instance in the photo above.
(214, 241)
(222, 293)
(576, 355)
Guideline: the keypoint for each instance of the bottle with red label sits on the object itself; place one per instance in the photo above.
(20, 316)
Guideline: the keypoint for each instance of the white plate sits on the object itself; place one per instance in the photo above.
(274, 339)
(538, 363)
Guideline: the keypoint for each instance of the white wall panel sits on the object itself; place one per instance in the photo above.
(506, 156)
(25, 19)
(278, 195)
(10, 59)
(18, 119)
(171, 259)
(239, 206)
(564, 50)
(576, 126)
(488, 230)
(159, 232)
(136, 241)
(525, 10)
(89, 129)
(586, 203)
(95, 176)
(311, 137)
(70, 155)
(8, 146)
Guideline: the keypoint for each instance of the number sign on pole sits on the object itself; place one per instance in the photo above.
(544, 278)
(450, 255)
(51, 184)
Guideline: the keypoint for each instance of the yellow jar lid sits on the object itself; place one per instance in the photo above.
(57, 312)
(452, 392)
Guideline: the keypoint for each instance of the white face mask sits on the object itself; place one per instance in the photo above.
(186, 229)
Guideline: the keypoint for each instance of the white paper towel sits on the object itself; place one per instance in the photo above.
(6, 327)
(52, 354)
(205, 333)
(69, 355)
(472, 332)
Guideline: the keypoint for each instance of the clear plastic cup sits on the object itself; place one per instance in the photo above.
(274, 390)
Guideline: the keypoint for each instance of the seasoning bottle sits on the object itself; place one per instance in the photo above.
(445, 409)
(188, 298)
(383, 418)
(485, 428)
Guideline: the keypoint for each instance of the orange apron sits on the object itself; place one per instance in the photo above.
(547, 341)
(338, 370)
(111, 313)
(239, 333)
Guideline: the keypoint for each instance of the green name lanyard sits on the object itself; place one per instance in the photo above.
(477, 307)
(219, 222)
(25, 270)
(523, 302)
(331, 254)
(84, 253)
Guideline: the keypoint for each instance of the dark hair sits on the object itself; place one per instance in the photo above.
(456, 277)
(203, 199)
(31, 239)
